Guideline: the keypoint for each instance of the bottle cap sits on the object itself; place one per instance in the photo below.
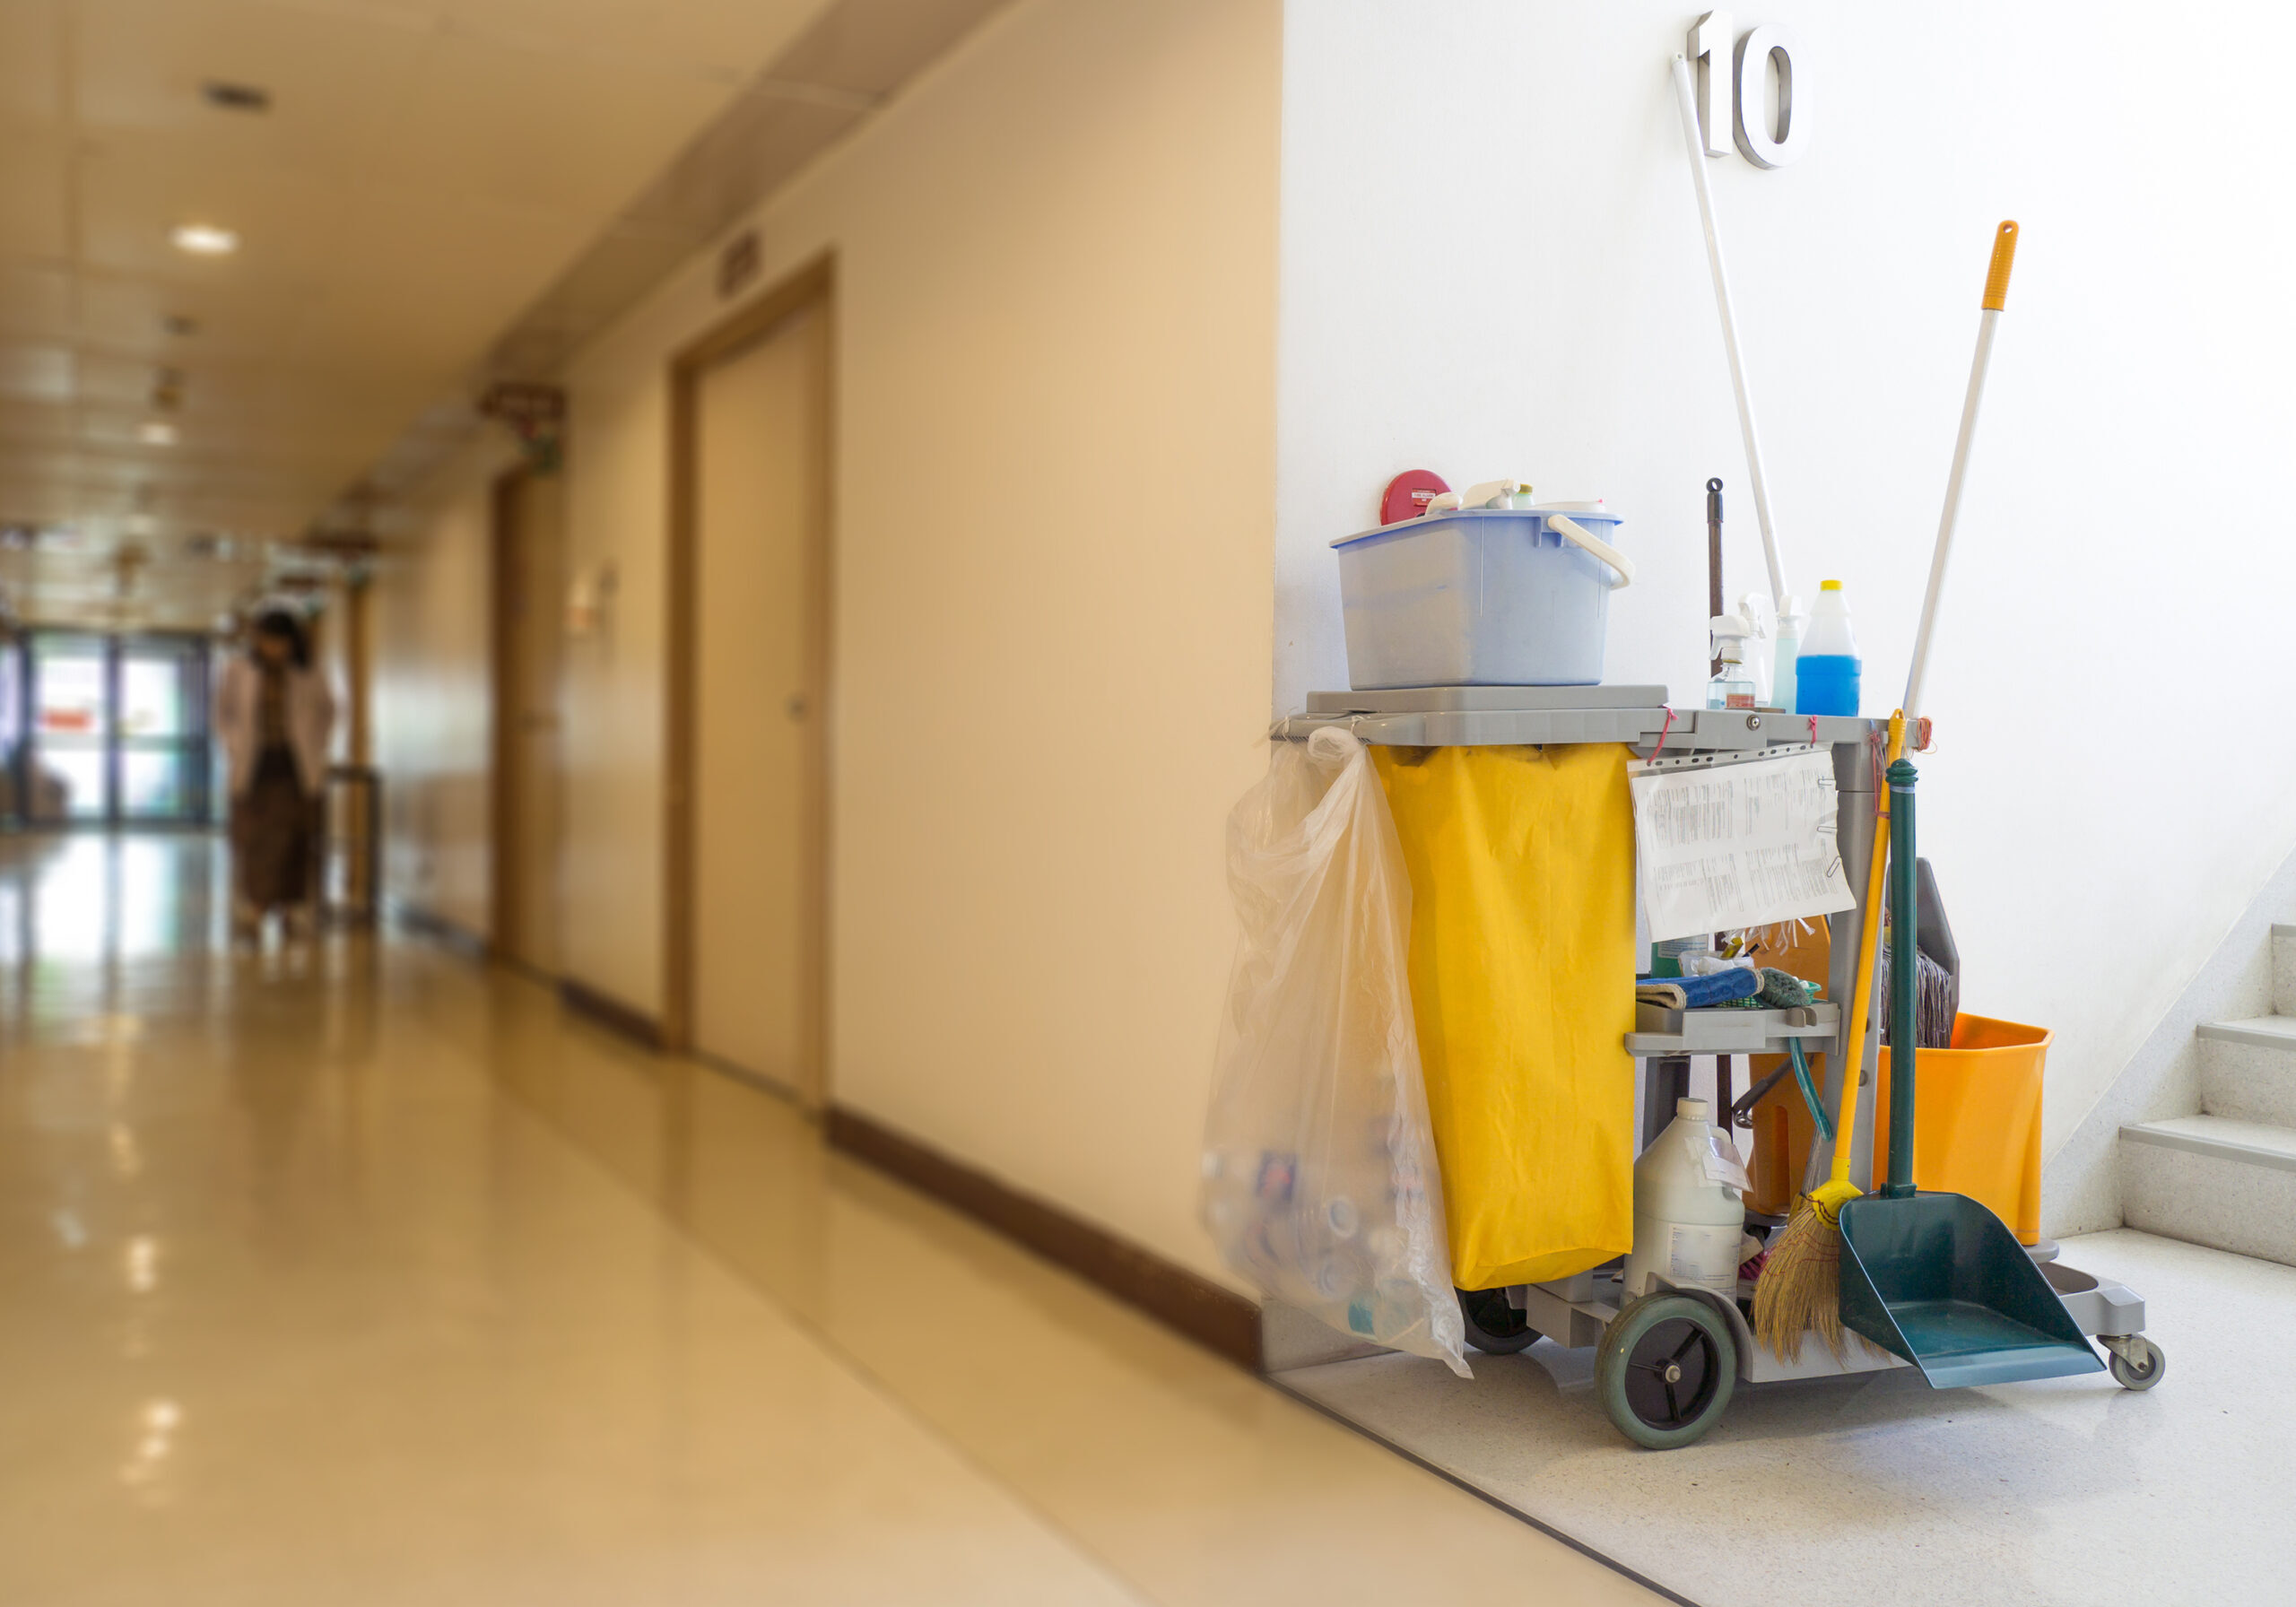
(1828, 585)
(1694, 1109)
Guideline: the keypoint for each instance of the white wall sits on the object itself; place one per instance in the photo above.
(433, 696)
(1491, 264)
(1054, 452)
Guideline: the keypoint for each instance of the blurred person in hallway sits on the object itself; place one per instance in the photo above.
(274, 715)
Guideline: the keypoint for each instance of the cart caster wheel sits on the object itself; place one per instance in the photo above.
(2144, 1370)
(1495, 1328)
(1667, 1370)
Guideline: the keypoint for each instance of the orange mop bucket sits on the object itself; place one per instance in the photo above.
(1977, 1130)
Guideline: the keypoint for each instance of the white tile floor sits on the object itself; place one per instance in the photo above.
(363, 1276)
(1879, 1489)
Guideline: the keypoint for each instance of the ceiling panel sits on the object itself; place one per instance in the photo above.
(35, 210)
(538, 131)
(36, 298)
(424, 281)
(233, 318)
(335, 80)
(727, 41)
(30, 51)
(137, 188)
(43, 373)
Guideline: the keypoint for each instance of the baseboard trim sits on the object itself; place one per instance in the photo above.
(625, 1020)
(1219, 1319)
(439, 929)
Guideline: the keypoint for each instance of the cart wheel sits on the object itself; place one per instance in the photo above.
(1494, 1327)
(2151, 1364)
(1667, 1370)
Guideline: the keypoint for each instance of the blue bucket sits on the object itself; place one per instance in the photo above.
(1477, 598)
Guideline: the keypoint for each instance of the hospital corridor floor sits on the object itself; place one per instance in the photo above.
(361, 1273)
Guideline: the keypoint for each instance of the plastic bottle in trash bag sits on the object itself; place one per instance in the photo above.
(1319, 1175)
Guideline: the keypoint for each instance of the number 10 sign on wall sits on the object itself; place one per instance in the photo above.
(1734, 104)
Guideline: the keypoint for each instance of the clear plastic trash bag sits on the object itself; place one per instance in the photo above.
(1320, 1183)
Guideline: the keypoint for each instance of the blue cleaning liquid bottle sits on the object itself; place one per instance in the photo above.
(1826, 672)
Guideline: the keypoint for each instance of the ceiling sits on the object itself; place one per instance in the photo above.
(424, 172)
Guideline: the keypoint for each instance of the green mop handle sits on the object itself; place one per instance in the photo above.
(1905, 979)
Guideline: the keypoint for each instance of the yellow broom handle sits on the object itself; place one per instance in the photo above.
(1869, 936)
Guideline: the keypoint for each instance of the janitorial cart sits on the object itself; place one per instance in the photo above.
(1551, 1061)
(1952, 1292)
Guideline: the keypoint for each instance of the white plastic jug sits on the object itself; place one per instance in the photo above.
(1690, 1212)
(1829, 634)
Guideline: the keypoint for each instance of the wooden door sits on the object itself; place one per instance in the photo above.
(759, 456)
(529, 625)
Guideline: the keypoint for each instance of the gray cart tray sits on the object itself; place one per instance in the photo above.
(1659, 1031)
(1445, 717)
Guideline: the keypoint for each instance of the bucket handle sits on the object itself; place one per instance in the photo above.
(1570, 530)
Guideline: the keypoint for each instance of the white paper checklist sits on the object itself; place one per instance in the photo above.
(1737, 843)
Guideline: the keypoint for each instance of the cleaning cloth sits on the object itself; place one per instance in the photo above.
(1697, 993)
(1522, 980)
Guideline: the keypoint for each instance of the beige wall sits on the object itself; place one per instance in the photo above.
(1055, 369)
(433, 686)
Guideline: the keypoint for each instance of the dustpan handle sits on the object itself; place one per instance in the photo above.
(1570, 530)
(1905, 977)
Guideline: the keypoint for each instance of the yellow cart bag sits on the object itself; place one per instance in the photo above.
(1522, 977)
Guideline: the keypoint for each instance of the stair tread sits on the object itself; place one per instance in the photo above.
(2222, 1136)
(2264, 1031)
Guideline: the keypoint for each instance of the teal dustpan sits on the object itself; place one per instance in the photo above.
(1937, 1279)
(1941, 1280)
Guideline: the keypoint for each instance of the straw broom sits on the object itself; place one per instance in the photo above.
(1800, 1286)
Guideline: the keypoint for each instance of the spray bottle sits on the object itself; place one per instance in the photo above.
(1755, 609)
(1791, 621)
(1732, 686)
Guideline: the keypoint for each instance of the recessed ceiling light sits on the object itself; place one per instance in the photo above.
(204, 240)
(236, 97)
(156, 432)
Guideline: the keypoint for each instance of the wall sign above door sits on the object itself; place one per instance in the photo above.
(1734, 99)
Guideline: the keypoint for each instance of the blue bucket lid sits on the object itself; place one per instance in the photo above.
(1583, 516)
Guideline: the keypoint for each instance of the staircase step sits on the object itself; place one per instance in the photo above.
(2284, 969)
(2247, 1070)
(2213, 1180)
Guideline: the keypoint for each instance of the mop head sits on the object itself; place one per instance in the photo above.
(1800, 1286)
(1937, 1001)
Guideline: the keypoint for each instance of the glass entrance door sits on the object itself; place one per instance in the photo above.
(118, 730)
(70, 778)
(162, 753)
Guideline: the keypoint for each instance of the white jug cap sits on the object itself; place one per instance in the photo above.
(1694, 1109)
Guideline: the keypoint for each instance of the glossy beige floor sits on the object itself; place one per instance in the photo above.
(361, 1275)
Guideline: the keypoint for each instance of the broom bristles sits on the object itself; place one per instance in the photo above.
(1800, 1286)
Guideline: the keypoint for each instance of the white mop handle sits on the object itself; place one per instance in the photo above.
(1996, 298)
(1687, 104)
